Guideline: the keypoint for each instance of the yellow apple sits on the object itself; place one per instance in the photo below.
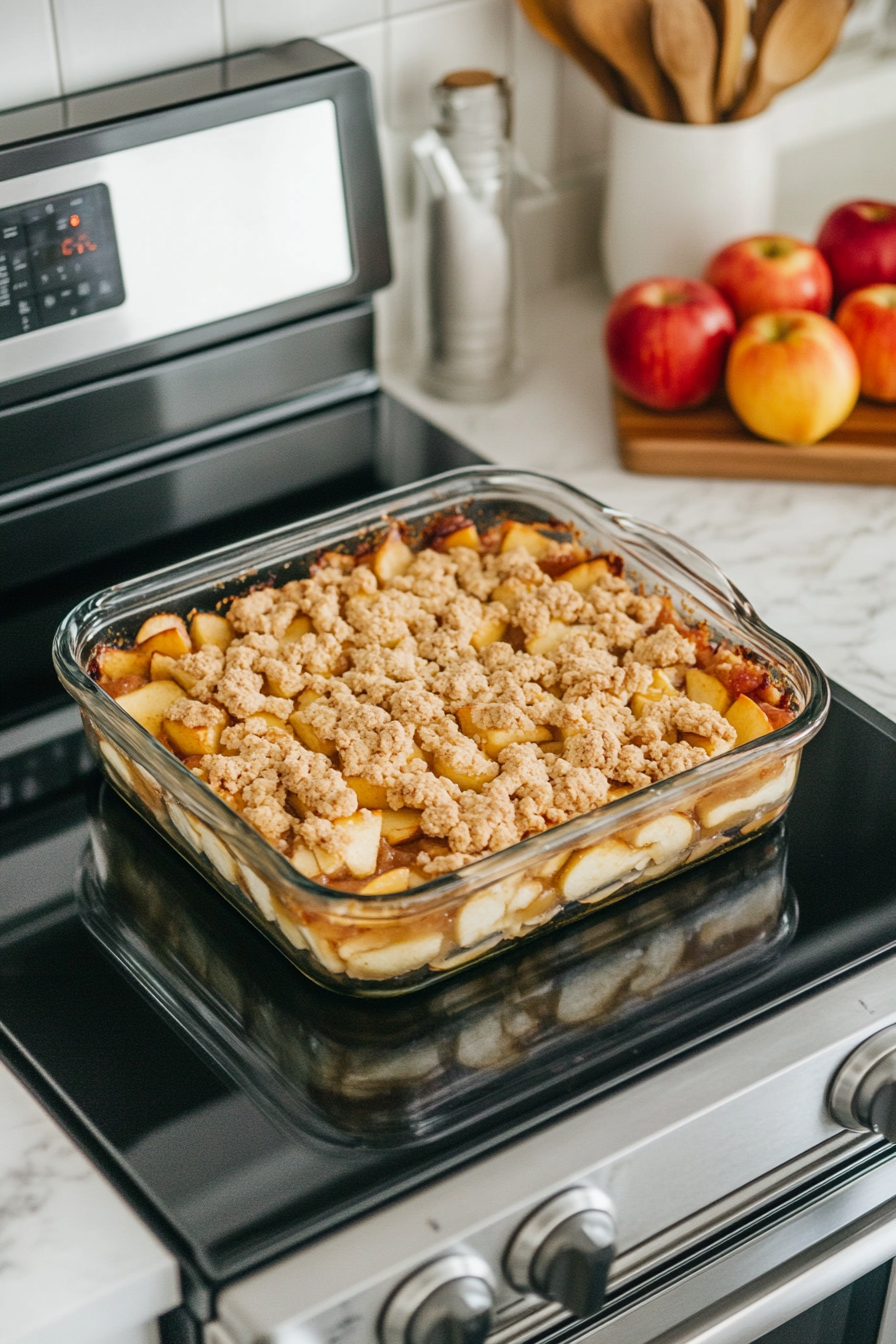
(705, 689)
(202, 741)
(400, 825)
(526, 537)
(304, 732)
(150, 704)
(464, 536)
(748, 719)
(584, 575)
(792, 376)
(114, 663)
(296, 629)
(392, 557)
(490, 629)
(207, 627)
(388, 884)
(546, 643)
(368, 795)
(357, 845)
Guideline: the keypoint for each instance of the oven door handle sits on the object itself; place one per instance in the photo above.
(800, 1283)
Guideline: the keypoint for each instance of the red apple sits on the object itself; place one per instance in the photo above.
(771, 271)
(868, 317)
(792, 376)
(859, 242)
(666, 341)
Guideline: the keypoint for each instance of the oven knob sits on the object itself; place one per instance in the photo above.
(863, 1094)
(564, 1250)
(448, 1301)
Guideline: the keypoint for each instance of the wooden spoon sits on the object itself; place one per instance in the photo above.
(686, 46)
(735, 21)
(800, 34)
(550, 20)
(762, 13)
(619, 30)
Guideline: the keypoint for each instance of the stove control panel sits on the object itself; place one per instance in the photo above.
(449, 1301)
(561, 1252)
(58, 261)
(863, 1094)
(564, 1250)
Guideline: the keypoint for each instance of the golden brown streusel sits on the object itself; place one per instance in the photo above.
(477, 691)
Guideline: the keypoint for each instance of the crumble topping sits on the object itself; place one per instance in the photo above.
(484, 694)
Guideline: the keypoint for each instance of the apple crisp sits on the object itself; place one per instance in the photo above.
(401, 712)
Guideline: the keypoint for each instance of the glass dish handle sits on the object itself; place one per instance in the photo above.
(683, 554)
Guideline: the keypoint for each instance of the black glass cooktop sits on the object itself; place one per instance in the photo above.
(245, 1111)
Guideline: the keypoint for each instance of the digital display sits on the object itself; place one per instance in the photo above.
(58, 261)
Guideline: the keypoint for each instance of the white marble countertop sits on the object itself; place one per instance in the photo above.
(76, 1264)
(818, 562)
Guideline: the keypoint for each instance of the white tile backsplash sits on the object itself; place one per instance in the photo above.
(102, 41)
(406, 45)
(394, 7)
(537, 71)
(261, 23)
(28, 68)
(424, 46)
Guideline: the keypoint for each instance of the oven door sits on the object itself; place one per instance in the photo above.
(864, 1312)
(807, 1278)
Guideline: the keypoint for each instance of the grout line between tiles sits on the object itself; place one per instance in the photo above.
(56, 52)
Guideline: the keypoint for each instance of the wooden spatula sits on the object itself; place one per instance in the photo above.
(734, 18)
(800, 34)
(550, 19)
(619, 31)
(686, 46)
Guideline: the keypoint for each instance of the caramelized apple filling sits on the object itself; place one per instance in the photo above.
(400, 713)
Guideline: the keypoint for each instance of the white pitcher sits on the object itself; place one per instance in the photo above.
(677, 193)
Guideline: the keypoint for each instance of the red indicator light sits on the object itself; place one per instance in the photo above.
(77, 246)
(75, 220)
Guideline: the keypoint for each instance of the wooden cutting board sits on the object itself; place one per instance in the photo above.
(711, 441)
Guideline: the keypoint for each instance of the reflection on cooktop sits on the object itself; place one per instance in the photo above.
(246, 1111)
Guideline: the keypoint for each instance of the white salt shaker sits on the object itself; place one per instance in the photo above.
(465, 179)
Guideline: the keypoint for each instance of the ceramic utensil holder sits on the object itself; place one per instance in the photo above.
(677, 193)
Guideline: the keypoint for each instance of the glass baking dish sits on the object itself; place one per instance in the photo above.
(437, 928)
(407, 1070)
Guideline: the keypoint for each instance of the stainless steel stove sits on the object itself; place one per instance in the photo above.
(660, 1123)
(675, 1121)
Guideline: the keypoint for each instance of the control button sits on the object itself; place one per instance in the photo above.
(11, 233)
(564, 1251)
(449, 1301)
(27, 316)
(41, 210)
(59, 306)
(863, 1093)
(21, 273)
(50, 277)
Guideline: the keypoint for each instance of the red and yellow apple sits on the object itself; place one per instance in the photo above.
(859, 243)
(868, 318)
(666, 341)
(792, 376)
(771, 271)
